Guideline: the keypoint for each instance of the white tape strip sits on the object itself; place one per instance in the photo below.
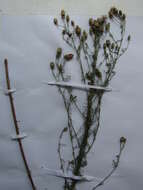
(20, 136)
(78, 86)
(69, 175)
(7, 92)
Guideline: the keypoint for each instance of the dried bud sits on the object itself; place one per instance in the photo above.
(78, 30)
(90, 21)
(62, 14)
(58, 53)
(72, 23)
(123, 140)
(67, 18)
(68, 57)
(107, 27)
(52, 65)
(55, 21)
(108, 43)
(129, 38)
(60, 68)
(85, 35)
(114, 10)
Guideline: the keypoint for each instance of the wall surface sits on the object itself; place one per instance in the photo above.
(73, 6)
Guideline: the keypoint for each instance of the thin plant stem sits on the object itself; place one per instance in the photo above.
(17, 127)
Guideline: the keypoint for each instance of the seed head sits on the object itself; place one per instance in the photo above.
(114, 10)
(123, 140)
(78, 30)
(107, 27)
(85, 35)
(55, 21)
(90, 21)
(60, 68)
(62, 14)
(68, 57)
(58, 53)
(67, 18)
(52, 65)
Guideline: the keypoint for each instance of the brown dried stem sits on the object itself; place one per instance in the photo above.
(17, 127)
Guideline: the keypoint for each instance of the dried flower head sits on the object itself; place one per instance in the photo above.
(68, 57)
(55, 21)
(107, 27)
(62, 14)
(60, 68)
(85, 35)
(90, 21)
(78, 30)
(52, 65)
(123, 140)
(58, 53)
(67, 18)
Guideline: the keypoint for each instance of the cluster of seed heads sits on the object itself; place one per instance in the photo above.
(114, 12)
(66, 57)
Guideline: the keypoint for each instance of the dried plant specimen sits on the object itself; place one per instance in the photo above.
(96, 52)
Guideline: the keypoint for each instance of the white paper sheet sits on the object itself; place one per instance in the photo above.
(29, 43)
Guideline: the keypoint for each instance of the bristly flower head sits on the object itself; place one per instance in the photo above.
(62, 14)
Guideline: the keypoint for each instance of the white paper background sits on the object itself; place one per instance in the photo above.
(29, 43)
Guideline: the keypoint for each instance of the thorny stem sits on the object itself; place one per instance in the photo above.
(17, 127)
